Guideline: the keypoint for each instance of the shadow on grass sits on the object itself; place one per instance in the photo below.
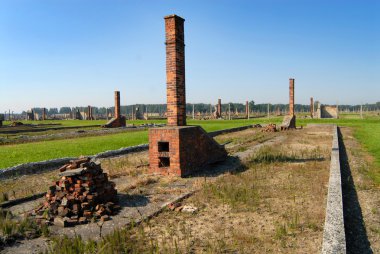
(356, 234)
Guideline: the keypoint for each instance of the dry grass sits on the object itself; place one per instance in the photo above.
(242, 140)
(276, 205)
(27, 185)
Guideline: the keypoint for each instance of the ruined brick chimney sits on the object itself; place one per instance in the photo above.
(89, 116)
(247, 109)
(118, 120)
(175, 70)
(289, 121)
(291, 96)
(179, 149)
(219, 109)
(117, 104)
(311, 107)
(44, 114)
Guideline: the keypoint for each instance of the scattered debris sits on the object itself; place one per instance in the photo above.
(14, 124)
(173, 206)
(270, 128)
(189, 209)
(178, 207)
(82, 194)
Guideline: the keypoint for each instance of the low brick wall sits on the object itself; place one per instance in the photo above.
(225, 131)
(334, 240)
(37, 167)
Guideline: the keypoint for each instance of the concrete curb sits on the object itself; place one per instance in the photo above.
(41, 166)
(334, 239)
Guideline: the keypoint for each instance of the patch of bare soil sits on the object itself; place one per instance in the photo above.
(361, 197)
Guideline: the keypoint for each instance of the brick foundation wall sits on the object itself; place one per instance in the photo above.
(175, 70)
(187, 149)
(329, 111)
(291, 96)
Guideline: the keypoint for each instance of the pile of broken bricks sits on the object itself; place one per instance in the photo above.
(269, 128)
(82, 194)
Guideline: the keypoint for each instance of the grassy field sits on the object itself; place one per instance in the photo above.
(209, 125)
(367, 131)
(37, 151)
(65, 123)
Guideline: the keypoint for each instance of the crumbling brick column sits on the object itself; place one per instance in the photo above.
(44, 114)
(311, 107)
(175, 70)
(291, 96)
(118, 120)
(117, 104)
(219, 109)
(88, 112)
(289, 121)
(247, 109)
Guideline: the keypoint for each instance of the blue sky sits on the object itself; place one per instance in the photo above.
(57, 53)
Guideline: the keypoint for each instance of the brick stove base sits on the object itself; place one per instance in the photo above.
(182, 150)
(115, 122)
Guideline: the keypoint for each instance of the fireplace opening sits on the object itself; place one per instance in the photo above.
(164, 162)
(163, 146)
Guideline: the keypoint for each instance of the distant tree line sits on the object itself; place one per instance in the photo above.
(203, 108)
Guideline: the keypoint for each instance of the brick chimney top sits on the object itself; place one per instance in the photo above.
(173, 16)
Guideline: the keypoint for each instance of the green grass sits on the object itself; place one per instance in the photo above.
(66, 123)
(209, 125)
(366, 130)
(38, 151)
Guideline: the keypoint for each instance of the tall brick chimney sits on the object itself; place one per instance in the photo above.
(89, 116)
(117, 104)
(219, 108)
(118, 120)
(311, 107)
(44, 114)
(247, 109)
(175, 70)
(291, 96)
(179, 149)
